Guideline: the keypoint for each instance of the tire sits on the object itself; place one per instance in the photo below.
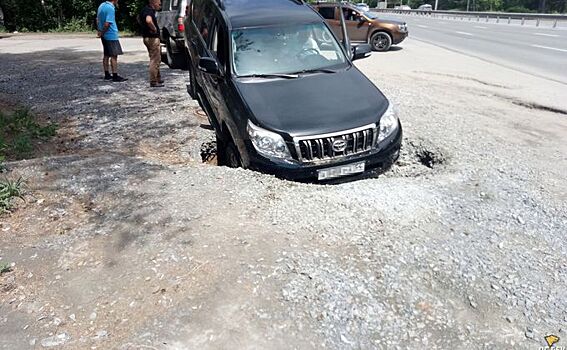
(172, 59)
(381, 41)
(227, 154)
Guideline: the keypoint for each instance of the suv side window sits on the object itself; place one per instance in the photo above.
(327, 12)
(205, 25)
(197, 13)
(351, 15)
(218, 44)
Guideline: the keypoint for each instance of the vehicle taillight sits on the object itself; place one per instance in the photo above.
(180, 25)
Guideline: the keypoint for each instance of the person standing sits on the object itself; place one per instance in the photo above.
(108, 33)
(150, 32)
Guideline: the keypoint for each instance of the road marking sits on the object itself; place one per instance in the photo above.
(481, 27)
(464, 33)
(549, 48)
(422, 26)
(543, 34)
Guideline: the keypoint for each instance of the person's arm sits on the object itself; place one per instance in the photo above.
(104, 29)
(150, 23)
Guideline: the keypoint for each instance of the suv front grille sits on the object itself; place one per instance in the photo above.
(336, 145)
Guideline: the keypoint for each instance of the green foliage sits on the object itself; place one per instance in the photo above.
(8, 191)
(18, 132)
(519, 9)
(5, 267)
(64, 15)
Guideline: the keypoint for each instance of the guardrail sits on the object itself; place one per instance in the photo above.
(504, 17)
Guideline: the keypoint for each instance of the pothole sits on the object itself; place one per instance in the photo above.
(209, 152)
(417, 157)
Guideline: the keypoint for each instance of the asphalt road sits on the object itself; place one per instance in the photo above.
(538, 51)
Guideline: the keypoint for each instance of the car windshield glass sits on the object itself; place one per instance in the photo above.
(284, 50)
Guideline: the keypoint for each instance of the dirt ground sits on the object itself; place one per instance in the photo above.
(127, 240)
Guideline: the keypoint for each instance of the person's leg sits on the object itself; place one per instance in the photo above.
(152, 73)
(116, 50)
(114, 64)
(105, 59)
(155, 60)
(106, 67)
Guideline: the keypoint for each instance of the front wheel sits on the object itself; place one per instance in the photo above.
(227, 154)
(381, 41)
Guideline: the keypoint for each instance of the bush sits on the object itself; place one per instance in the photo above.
(519, 9)
(18, 131)
(75, 25)
(8, 191)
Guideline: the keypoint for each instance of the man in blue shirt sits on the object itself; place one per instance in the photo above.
(108, 33)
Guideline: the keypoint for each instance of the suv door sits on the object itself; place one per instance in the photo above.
(330, 14)
(217, 49)
(357, 26)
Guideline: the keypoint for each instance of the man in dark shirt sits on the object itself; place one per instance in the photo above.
(150, 32)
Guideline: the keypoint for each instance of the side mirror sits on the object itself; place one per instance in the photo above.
(209, 65)
(361, 19)
(361, 51)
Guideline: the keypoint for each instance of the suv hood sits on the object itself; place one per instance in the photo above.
(314, 103)
(388, 21)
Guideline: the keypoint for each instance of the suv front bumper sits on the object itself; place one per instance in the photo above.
(380, 158)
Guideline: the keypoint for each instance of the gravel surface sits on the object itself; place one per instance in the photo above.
(128, 241)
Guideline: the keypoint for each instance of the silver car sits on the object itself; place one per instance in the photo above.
(362, 6)
(170, 21)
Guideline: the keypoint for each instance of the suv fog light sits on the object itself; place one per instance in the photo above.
(267, 143)
(388, 123)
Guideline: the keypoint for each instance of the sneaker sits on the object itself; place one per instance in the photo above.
(108, 77)
(118, 79)
(156, 85)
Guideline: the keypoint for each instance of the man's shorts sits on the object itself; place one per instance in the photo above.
(111, 47)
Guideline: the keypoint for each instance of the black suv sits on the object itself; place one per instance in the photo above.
(282, 93)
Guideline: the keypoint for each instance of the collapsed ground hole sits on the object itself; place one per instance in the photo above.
(209, 152)
(417, 157)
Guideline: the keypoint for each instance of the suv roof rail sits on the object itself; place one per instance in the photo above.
(221, 4)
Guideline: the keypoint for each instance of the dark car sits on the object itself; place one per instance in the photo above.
(282, 93)
(170, 21)
(364, 26)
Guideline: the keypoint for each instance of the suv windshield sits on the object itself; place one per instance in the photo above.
(285, 50)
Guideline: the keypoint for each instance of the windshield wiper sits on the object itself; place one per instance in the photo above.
(275, 75)
(318, 70)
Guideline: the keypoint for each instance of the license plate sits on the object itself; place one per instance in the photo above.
(342, 170)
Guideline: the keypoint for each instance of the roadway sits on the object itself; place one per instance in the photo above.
(537, 51)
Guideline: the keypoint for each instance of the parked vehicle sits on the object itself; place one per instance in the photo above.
(363, 7)
(282, 93)
(402, 7)
(170, 21)
(425, 7)
(381, 34)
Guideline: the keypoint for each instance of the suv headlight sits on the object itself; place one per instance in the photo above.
(267, 143)
(388, 123)
(403, 27)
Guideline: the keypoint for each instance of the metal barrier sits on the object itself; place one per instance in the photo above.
(477, 16)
